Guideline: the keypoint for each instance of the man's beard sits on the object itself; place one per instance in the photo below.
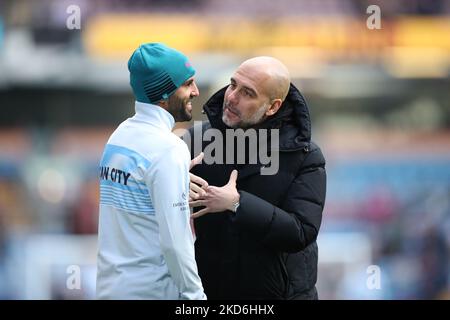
(177, 108)
(258, 117)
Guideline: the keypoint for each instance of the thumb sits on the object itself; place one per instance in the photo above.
(198, 159)
(233, 177)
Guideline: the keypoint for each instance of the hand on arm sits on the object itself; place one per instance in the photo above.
(218, 199)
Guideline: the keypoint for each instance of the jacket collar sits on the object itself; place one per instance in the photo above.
(154, 115)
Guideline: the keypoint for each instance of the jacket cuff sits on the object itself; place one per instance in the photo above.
(253, 214)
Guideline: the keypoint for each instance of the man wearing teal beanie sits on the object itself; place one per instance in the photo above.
(145, 241)
(164, 76)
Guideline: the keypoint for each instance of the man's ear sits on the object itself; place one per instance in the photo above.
(274, 107)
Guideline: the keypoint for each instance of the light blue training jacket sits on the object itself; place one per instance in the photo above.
(145, 242)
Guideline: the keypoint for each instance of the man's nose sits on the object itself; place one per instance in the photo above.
(232, 97)
(195, 92)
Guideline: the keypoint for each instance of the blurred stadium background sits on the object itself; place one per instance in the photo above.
(379, 101)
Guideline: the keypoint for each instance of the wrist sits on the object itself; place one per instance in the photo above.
(235, 204)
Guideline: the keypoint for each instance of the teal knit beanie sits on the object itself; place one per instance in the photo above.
(156, 71)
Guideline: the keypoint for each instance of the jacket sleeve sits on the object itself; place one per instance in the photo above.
(295, 224)
(168, 181)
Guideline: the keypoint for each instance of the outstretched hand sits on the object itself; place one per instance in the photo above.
(217, 199)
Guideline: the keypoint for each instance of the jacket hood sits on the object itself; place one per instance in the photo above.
(292, 119)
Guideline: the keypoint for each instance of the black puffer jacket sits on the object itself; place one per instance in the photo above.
(267, 250)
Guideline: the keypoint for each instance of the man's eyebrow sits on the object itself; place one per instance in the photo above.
(250, 89)
(232, 80)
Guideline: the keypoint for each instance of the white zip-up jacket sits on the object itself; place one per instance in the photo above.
(146, 246)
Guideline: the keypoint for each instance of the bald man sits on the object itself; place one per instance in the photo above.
(256, 233)
(266, 81)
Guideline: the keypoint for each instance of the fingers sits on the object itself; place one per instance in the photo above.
(192, 196)
(196, 203)
(200, 213)
(195, 191)
(198, 159)
(233, 177)
(198, 180)
(196, 188)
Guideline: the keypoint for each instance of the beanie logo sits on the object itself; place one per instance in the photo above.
(187, 64)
